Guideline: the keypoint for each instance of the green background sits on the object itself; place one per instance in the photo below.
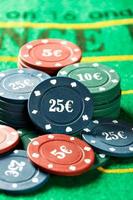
(103, 41)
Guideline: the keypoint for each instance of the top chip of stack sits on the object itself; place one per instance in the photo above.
(48, 55)
(15, 88)
(102, 81)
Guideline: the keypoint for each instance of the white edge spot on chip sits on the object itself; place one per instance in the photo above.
(72, 138)
(48, 127)
(72, 168)
(93, 141)
(63, 72)
(37, 93)
(131, 148)
(34, 112)
(73, 84)
(25, 55)
(64, 42)
(29, 46)
(76, 65)
(96, 122)
(87, 98)
(35, 180)
(2, 74)
(14, 133)
(20, 71)
(112, 71)
(14, 185)
(87, 161)
(102, 155)
(115, 121)
(50, 166)
(45, 41)
(95, 64)
(38, 62)
(87, 148)
(50, 136)
(85, 117)
(112, 149)
(35, 143)
(19, 132)
(58, 64)
(77, 49)
(87, 130)
(16, 151)
(20, 97)
(35, 155)
(74, 59)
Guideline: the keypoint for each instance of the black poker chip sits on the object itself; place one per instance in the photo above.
(60, 105)
(17, 84)
(112, 137)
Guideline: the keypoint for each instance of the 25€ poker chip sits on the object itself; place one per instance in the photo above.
(60, 105)
(9, 138)
(112, 137)
(18, 175)
(61, 154)
(50, 53)
(16, 85)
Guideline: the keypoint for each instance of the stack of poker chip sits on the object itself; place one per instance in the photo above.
(15, 88)
(48, 55)
(104, 84)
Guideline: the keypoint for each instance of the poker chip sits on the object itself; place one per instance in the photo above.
(61, 154)
(16, 85)
(102, 81)
(26, 136)
(9, 138)
(60, 105)
(111, 137)
(49, 54)
(18, 175)
(100, 160)
(11, 107)
(104, 112)
(15, 88)
(97, 77)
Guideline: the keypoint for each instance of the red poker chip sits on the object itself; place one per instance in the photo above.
(9, 138)
(50, 53)
(21, 65)
(61, 154)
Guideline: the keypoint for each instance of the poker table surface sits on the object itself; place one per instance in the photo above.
(104, 31)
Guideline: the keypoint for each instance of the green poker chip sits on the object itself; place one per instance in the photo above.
(108, 112)
(100, 160)
(107, 105)
(99, 79)
(26, 136)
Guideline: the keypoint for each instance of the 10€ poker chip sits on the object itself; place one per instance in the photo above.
(60, 105)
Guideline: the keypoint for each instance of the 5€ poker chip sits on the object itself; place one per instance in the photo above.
(16, 85)
(112, 137)
(18, 175)
(60, 105)
(50, 53)
(9, 138)
(61, 154)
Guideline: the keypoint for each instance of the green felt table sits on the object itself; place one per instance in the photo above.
(104, 31)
